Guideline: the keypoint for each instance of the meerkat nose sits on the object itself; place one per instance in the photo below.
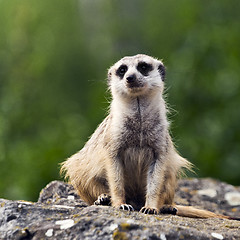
(131, 78)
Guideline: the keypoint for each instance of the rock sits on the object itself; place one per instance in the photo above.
(233, 198)
(61, 214)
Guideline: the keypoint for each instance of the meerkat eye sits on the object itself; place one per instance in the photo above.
(144, 68)
(121, 71)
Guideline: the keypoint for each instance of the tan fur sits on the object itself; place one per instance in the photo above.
(131, 156)
(188, 211)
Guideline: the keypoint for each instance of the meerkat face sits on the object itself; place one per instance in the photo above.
(136, 75)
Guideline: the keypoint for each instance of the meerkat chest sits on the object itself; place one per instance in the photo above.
(138, 131)
(141, 131)
(139, 141)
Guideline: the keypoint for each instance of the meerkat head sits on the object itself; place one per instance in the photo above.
(136, 75)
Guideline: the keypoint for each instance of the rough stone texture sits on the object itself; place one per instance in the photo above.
(60, 214)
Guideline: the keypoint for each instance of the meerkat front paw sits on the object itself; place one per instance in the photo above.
(148, 210)
(168, 209)
(103, 199)
(126, 207)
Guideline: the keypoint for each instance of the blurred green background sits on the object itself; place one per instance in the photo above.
(54, 57)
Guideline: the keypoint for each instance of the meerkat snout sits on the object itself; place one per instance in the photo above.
(133, 82)
(131, 78)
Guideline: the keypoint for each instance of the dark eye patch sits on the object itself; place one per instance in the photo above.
(144, 68)
(121, 71)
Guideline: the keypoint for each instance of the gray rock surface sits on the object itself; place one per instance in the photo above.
(61, 214)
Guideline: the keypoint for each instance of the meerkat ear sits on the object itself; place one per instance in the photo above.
(162, 71)
(109, 77)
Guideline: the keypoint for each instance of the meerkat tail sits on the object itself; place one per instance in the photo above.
(188, 211)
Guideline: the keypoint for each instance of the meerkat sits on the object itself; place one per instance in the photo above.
(130, 161)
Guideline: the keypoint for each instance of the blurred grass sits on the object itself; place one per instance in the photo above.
(54, 57)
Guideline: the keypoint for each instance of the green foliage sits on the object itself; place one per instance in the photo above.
(53, 61)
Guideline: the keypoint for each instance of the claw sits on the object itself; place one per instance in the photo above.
(148, 210)
(126, 207)
(103, 199)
